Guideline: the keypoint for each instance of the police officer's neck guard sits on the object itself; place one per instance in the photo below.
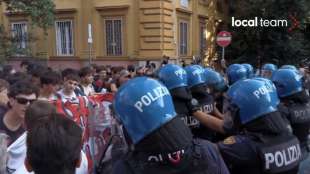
(182, 93)
(300, 97)
(271, 124)
(199, 91)
(171, 137)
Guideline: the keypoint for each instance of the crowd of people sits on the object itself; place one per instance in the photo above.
(166, 119)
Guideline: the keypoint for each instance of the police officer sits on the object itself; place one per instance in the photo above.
(162, 143)
(175, 79)
(268, 69)
(296, 107)
(217, 87)
(197, 83)
(292, 67)
(236, 72)
(250, 70)
(264, 144)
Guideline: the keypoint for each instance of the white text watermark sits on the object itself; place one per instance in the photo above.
(259, 22)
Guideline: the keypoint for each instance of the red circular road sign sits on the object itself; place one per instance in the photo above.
(223, 38)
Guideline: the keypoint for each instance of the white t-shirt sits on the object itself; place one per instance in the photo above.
(88, 90)
(17, 154)
(50, 98)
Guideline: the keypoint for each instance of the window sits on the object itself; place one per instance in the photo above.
(64, 38)
(114, 39)
(183, 38)
(19, 33)
(184, 3)
(203, 40)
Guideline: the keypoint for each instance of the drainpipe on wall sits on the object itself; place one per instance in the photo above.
(175, 32)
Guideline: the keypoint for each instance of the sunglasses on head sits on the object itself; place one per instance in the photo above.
(24, 101)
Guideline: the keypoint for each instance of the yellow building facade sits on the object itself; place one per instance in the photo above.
(121, 31)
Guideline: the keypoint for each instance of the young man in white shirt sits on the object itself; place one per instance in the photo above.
(86, 86)
(36, 112)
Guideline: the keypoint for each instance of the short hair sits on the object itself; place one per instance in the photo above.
(54, 145)
(23, 87)
(37, 110)
(85, 71)
(13, 78)
(7, 68)
(38, 71)
(50, 77)
(24, 63)
(74, 77)
(100, 68)
(68, 71)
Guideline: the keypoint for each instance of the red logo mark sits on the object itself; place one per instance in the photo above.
(295, 23)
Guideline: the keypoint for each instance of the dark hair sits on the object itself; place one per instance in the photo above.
(85, 71)
(7, 68)
(13, 78)
(54, 145)
(74, 77)
(153, 65)
(36, 111)
(24, 63)
(33, 66)
(23, 87)
(50, 77)
(131, 68)
(37, 71)
(100, 68)
(68, 71)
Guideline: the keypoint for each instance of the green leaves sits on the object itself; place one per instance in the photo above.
(41, 12)
(9, 46)
(272, 44)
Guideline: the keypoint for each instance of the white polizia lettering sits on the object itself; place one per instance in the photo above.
(197, 72)
(180, 72)
(283, 157)
(150, 97)
(190, 121)
(262, 91)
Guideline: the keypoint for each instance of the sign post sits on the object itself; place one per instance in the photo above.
(223, 39)
(90, 41)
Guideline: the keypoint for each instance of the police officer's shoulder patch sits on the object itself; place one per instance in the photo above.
(230, 140)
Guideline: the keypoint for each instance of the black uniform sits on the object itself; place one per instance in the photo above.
(298, 113)
(181, 99)
(171, 149)
(200, 158)
(206, 103)
(262, 151)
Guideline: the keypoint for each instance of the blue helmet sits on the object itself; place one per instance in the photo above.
(195, 75)
(173, 76)
(215, 80)
(143, 105)
(250, 70)
(254, 98)
(288, 82)
(269, 67)
(236, 72)
(292, 67)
